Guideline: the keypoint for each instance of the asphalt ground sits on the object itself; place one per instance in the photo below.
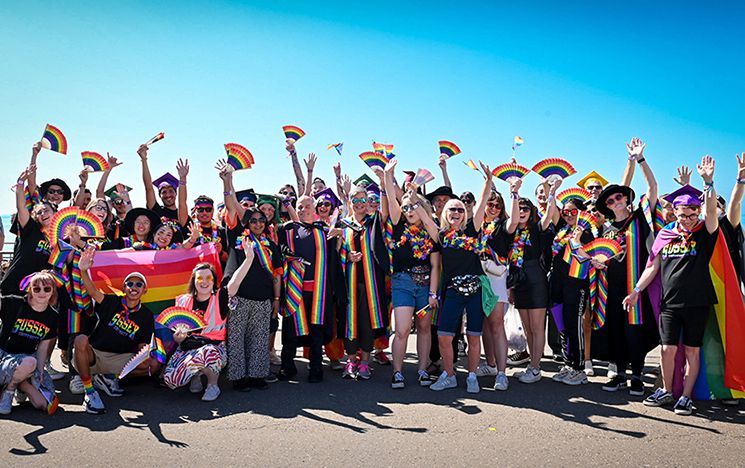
(366, 423)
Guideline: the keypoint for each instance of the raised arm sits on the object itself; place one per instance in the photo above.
(32, 174)
(425, 216)
(684, 176)
(86, 261)
(231, 201)
(706, 171)
(735, 200)
(628, 172)
(296, 167)
(80, 197)
(21, 210)
(101, 187)
(443, 163)
(636, 151)
(237, 278)
(394, 207)
(478, 212)
(310, 163)
(147, 179)
(182, 167)
(514, 220)
(383, 195)
(551, 209)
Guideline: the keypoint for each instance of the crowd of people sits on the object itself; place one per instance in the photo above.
(347, 267)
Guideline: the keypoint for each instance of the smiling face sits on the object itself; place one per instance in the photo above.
(43, 213)
(317, 186)
(168, 196)
(540, 194)
(55, 194)
(525, 212)
(687, 216)
(42, 290)
(569, 213)
(100, 209)
(618, 203)
(359, 202)
(494, 208)
(305, 209)
(439, 202)
(120, 206)
(134, 288)
(163, 236)
(594, 187)
(323, 208)
(409, 211)
(455, 213)
(257, 223)
(204, 282)
(142, 226)
(268, 210)
(204, 214)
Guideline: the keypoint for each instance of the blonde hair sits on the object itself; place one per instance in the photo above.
(444, 223)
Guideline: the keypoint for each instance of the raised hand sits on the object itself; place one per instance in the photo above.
(706, 169)
(515, 184)
(391, 166)
(554, 184)
(310, 163)
(248, 249)
(379, 172)
(194, 235)
(35, 149)
(346, 184)
(224, 169)
(182, 166)
(443, 162)
(83, 176)
(122, 192)
(684, 176)
(86, 258)
(113, 162)
(487, 171)
(142, 152)
(290, 145)
(740, 165)
(635, 148)
(337, 170)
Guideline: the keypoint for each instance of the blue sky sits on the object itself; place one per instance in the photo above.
(573, 82)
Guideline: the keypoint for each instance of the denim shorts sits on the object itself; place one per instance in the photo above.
(406, 293)
(453, 307)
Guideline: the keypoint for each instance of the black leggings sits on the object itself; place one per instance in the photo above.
(365, 334)
(574, 300)
(629, 343)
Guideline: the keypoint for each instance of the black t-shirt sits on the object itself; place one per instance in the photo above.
(686, 281)
(537, 245)
(31, 256)
(403, 255)
(23, 328)
(735, 243)
(457, 261)
(118, 332)
(257, 285)
(617, 231)
(162, 212)
(117, 229)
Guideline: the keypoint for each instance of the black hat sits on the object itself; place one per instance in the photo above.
(45, 186)
(129, 220)
(607, 192)
(247, 194)
(444, 190)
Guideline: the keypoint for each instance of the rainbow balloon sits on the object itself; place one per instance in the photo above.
(471, 164)
(95, 161)
(177, 316)
(156, 138)
(238, 156)
(509, 170)
(554, 167)
(53, 139)
(578, 193)
(373, 159)
(586, 220)
(448, 148)
(292, 132)
(605, 249)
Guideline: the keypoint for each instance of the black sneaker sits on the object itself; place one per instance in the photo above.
(257, 383)
(637, 387)
(107, 384)
(615, 384)
(271, 378)
(684, 406)
(315, 377)
(659, 398)
(518, 359)
(397, 381)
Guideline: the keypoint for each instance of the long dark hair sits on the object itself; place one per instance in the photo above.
(498, 196)
(533, 218)
(251, 211)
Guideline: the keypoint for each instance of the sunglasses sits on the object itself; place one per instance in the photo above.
(134, 284)
(683, 217)
(572, 212)
(56, 191)
(410, 207)
(524, 209)
(324, 204)
(205, 279)
(468, 201)
(594, 187)
(257, 221)
(206, 209)
(38, 289)
(118, 202)
(456, 210)
(494, 205)
(613, 199)
(356, 201)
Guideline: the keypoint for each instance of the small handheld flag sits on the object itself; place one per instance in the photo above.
(155, 139)
(471, 165)
(336, 146)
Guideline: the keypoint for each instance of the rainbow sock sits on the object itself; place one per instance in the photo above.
(88, 385)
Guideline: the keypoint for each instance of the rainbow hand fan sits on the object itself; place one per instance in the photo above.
(90, 225)
(155, 139)
(293, 133)
(382, 148)
(62, 223)
(605, 249)
(135, 361)
(337, 147)
(509, 170)
(373, 159)
(422, 177)
(54, 140)
(238, 156)
(554, 167)
(471, 164)
(578, 193)
(176, 316)
(95, 162)
(586, 220)
(448, 148)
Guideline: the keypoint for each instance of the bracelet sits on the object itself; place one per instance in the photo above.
(276, 298)
(382, 192)
(641, 160)
(741, 181)
(19, 183)
(81, 186)
(551, 197)
(182, 183)
(709, 185)
(514, 195)
(637, 290)
(227, 193)
(433, 295)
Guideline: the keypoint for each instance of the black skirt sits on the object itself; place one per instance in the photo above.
(532, 291)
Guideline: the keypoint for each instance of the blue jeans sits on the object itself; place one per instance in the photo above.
(452, 310)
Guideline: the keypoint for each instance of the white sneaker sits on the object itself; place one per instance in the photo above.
(6, 401)
(519, 374)
(612, 370)
(195, 384)
(21, 397)
(211, 393)
(531, 375)
(562, 374)
(472, 383)
(92, 403)
(588, 368)
(274, 359)
(445, 381)
(501, 382)
(76, 385)
(108, 385)
(54, 373)
(485, 370)
(575, 377)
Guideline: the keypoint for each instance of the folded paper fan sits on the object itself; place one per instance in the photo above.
(176, 316)
(509, 170)
(554, 167)
(577, 193)
(292, 132)
(586, 220)
(62, 223)
(54, 140)
(448, 148)
(422, 177)
(238, 156)
(373, 159)
(155, 139)
(90, 225)
(383, 148)
(605, 249)
(94, 161)
(135, 361)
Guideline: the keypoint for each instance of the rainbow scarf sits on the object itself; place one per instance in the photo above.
(371, 286)
(261, 247)
(294, 305)
(598, 296)
(320, 270)
(578, 268)
(79, 296)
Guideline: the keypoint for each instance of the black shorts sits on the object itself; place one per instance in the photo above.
(686, 323)
(532, 291)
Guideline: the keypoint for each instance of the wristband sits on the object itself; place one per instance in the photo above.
(433, 295)
(640, 160)
(19, 183)
(637, 290)
(709, 185)
(382, 192)
(514, 195)
(551, 198)
(741, 181)
(227, 193)
(81, 186)
(182, 183)
(276, 298)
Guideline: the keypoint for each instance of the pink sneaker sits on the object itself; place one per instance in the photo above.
(363, 371)
(350, 371)
(381, 358)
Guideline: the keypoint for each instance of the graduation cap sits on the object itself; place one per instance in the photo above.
(246, 195)
(685, 195)
(273, 200)
(409, 176)
(592, 177)
(204, 200)
(373, 189)
(328, 195)
(165, 180)
(363, 181)
(111, 192)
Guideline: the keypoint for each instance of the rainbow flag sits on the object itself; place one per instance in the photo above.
(167, 271)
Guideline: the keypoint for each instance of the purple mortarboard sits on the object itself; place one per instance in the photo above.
(248, 195)
(373, 189)
(329, 195)
(685, 195)
(164, 180)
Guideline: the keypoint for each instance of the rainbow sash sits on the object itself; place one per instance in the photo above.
(320, 279)
(294, 305)
(634, 266)
(262, 251)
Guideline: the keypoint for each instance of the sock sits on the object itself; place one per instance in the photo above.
(87, 384)
(471, 375)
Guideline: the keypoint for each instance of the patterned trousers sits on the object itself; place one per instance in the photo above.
(184, 365)
(248, 338)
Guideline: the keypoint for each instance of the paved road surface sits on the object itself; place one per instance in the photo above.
(340, 422)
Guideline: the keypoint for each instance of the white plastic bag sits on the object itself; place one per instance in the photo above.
(513, 328)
